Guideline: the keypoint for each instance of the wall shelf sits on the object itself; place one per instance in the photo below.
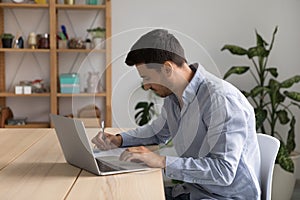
(23, 5)
(82, 95)
(24, 50)
(81, 50)
(10, 94)
(79, 7)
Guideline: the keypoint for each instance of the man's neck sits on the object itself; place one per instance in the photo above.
(184, 76)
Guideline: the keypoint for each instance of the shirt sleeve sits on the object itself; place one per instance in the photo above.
(226, 122)
(155, 133)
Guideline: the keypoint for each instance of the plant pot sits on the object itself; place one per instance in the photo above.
(98, 43)
(284, 182)
(7, 43)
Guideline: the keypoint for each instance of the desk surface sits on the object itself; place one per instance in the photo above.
(32, 166)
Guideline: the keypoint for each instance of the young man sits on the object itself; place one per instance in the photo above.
(211, 125)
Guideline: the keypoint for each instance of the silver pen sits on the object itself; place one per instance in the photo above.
(102, 129)
(103, 136)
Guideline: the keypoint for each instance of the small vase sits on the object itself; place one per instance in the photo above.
(93, 82)
(7, 43)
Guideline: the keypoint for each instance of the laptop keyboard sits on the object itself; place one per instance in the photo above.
(103, 167)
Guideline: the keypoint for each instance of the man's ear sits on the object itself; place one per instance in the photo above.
(168, 68)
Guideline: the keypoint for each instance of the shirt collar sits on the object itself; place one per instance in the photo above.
(191, 89)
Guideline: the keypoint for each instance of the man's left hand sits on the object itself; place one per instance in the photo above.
(143, 154)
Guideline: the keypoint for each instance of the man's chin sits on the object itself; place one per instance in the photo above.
(161, 95)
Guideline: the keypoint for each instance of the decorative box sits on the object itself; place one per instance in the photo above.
(18, 89)
(69, 83)
(27, 89)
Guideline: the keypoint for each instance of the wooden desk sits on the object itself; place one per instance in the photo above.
(32, 166)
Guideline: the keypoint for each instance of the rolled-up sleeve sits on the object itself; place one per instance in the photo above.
(155, 133)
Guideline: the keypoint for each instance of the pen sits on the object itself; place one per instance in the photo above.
(102, 129)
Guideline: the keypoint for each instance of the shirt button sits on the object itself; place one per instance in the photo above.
(171, 175)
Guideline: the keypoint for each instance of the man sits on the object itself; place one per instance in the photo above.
(211, 125)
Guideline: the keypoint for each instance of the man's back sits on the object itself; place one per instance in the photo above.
(214, 134)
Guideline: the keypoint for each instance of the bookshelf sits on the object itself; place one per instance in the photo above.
(55, 100)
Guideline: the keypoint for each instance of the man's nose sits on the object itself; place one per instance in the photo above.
(146, 86)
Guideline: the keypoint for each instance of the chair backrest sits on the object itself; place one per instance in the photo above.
(268, 147)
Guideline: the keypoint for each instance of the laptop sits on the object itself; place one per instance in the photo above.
(78, 151)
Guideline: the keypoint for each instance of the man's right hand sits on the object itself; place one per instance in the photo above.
(106, 141)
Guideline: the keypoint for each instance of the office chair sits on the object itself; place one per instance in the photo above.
(268, 147)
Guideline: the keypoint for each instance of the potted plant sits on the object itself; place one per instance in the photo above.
(145, 109)
(97, 32)
(7, 40)
(271, 99)
(98, 36)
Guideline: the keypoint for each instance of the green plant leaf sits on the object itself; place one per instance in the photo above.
(283, 116)
(273, 71)
(283, 158)
(273, 85)
(142, 104)
(258, 51)
(290, 143)
(273, 38)
(279, 98)
(292, 95)
(7, 36)
(276, 96)
(257, 90)
(289, 82)
(235, 50)
(236, 70)
(260, 116)
(145, 112)
(245, 93)
(260, 41)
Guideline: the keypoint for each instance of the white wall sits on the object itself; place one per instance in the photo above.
(203, 25)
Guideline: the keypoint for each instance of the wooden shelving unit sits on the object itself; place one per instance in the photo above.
(54, 53)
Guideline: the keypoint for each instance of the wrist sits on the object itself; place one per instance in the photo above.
(119, 140)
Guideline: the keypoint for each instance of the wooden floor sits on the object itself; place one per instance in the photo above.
(296, 194)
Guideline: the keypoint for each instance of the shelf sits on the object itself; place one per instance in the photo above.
(24, 50)
(58, 6)
(30, 125)
(23, 5)
(92, 7)
(81, 50)
(82, 95)
(10, 94)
